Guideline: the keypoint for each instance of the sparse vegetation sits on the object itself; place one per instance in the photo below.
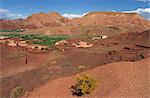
(85, 84)
(65, 65)
(142, 56)
(16, 92)
(113, 27)
(47, 76)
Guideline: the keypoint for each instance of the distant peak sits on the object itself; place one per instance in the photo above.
(110, 13)
(40, 13)
(53, 13)
(37, 15)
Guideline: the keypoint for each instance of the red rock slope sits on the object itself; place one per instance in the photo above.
(54, 19)
(38, 20)
(42, 20)
(116, 80)
(112, 18)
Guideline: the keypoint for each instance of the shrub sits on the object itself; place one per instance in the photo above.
(16, 92)
(115, 28)
(142, 56)
(85, 84)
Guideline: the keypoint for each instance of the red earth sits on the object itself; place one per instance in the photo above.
(122, 79)
(44, 67)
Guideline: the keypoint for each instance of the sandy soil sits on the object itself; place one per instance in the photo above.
(116, 80)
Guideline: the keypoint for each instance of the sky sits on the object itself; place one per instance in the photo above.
(12, 9)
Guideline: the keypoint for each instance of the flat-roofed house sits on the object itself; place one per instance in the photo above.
(82, 44)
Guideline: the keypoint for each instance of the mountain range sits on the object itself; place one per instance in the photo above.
(92, 19)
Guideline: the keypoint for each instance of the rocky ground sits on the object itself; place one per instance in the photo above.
(44, 67)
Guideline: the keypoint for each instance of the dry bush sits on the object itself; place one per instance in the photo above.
(16, 92)
(85, 84)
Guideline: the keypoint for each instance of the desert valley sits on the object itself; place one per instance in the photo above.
(44, 53)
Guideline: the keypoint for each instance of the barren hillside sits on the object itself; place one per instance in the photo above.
(54, 19)
(123, 79)
(34, 21)
(111, 18)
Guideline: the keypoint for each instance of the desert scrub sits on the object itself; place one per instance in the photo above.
(85, 84)
(113, 27)
(16, 92)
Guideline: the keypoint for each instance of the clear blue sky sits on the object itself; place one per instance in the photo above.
(27, 7)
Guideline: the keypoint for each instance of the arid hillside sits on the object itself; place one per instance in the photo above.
(11, 24)
(122, 79)
(34, 21)
(111, 18)
(66, 60)
(54, 19)
(41, 20)
(37, 52)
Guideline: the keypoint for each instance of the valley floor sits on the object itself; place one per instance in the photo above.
(129, 77)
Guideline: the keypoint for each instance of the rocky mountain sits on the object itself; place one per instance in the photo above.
(111, 18)
(38, 20)
(43, 20)
(54, 19)
(11, 24)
